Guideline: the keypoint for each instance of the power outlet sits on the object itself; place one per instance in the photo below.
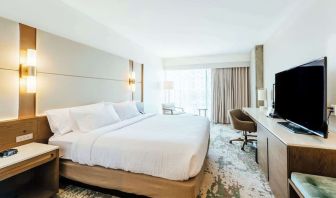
(22, 138)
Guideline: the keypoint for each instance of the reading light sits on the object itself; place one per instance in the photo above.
(28, 71)
(262, 96)
(168, 85)
(132, 81)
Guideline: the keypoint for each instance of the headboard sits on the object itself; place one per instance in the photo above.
(72, 74)
(68, 74)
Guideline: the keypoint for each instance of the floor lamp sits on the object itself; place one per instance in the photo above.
(168, 85)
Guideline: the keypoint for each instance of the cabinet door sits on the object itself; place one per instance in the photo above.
(277, 164)
(262, 149)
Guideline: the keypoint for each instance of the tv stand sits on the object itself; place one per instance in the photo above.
(295, 129)
(281, 152)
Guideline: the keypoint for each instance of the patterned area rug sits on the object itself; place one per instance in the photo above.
(230, 172)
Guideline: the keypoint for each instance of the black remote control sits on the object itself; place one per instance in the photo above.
(8, 153)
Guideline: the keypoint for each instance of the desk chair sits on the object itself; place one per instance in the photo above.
(242, 122)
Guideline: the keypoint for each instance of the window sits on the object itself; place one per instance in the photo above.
(190, 89)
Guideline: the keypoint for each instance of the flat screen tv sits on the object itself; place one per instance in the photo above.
(301, 97)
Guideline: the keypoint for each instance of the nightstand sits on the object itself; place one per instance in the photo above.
(32, 172)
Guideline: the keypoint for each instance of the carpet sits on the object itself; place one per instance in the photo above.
(229, 172)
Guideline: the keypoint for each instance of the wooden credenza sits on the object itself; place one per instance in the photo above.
(281, 152)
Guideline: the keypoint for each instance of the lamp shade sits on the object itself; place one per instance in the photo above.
(31, 57)
(262, 94)
(168, 85)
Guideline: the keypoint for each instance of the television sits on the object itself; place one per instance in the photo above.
(301, 98)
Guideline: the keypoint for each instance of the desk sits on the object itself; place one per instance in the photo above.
(281, 152)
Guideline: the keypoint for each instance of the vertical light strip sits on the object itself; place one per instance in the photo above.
(131, 69)
(142, 82)
(27, 101)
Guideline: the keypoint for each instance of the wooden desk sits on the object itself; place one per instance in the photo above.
(32, 172)
(281, 152)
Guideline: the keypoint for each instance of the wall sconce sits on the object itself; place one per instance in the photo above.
(28, 71)
(131, 81)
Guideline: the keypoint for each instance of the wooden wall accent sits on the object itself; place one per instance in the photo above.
(132, 64)
(27, 101)
(142, 82)
(131, 68)
(259, 61)
(9, 130)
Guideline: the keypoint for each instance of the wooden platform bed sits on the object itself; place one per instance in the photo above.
(134, 183)
(124, 181)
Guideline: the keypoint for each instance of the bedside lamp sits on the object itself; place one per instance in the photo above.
(132, 81)
(28, 71)
(262, 96)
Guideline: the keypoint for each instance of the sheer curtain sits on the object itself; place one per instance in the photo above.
(230, 90)
(191, 89)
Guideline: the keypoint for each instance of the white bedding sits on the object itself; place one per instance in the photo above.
(65, 143)
(171, 147)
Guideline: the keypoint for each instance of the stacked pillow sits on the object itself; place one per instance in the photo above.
(89, 117)
(125, 110)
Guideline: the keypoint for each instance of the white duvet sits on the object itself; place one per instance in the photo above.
(171, 147)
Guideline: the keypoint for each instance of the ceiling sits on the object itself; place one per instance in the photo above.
(177, 28)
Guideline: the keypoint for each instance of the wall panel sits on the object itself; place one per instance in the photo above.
(62, 56)
(9, 94)
(58, 91)
(9, 64)
(71, 74)
(9, 44)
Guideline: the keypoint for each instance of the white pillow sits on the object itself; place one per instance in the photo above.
(74, 125)
(90, 117)
(59, 121)
(126, 110)
(110, 108)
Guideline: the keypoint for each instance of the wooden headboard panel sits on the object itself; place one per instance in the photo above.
(9, 130)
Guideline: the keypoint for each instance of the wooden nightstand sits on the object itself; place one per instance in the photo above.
(32, 172)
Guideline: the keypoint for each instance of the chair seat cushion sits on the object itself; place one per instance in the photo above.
(314, 186)
(178, 112)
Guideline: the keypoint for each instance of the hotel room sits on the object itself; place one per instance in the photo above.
(178, 99)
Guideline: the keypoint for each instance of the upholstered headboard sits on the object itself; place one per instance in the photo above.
(68, 74)
(71, 74)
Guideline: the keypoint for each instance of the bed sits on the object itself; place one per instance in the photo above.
(152, 155)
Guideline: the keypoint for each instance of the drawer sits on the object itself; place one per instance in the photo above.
(27, 165)
(11, 129)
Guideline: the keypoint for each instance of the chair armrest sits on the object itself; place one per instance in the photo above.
(169, 110)
(182, 109)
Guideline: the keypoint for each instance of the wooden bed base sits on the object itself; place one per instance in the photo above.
(139, 184)
(134, 183)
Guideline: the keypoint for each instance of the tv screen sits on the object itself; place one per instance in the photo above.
(301, 96)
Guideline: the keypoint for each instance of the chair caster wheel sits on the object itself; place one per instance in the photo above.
(230, 142)
(242, 149)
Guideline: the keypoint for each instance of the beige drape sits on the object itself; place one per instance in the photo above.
(230, 90)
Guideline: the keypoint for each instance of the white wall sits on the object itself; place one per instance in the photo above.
(9, 65)
(60, 19)
(308, 34)
(211, 61)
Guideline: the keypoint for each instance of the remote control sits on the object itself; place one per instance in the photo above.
(8, 153)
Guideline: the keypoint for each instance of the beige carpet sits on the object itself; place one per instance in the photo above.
(229, 172)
